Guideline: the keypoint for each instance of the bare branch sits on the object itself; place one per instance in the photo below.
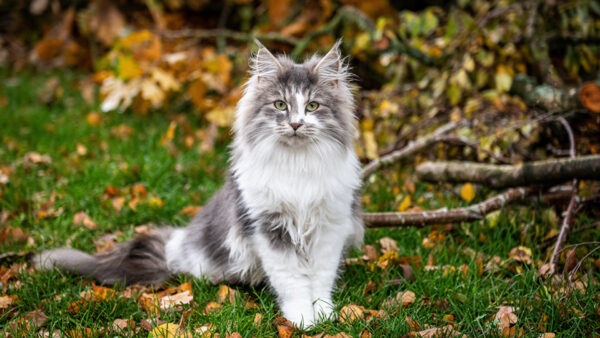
(441, 216)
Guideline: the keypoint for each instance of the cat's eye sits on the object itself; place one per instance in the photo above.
(312, 106)
(280, 105)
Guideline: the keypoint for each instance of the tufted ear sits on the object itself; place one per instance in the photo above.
(264, 64)
(329, 66)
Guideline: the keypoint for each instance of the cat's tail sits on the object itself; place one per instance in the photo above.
(141, 260)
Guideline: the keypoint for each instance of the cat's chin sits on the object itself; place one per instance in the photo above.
(294, 140)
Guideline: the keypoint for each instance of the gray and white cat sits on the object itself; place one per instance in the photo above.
(290, 204)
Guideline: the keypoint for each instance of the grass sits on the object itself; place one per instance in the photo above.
(181, 176)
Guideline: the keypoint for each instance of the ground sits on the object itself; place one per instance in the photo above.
(124, 171)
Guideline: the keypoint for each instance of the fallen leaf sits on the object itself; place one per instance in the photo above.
(547, 335)
(123, 324)
(436, 332)
(257, 319)
(387, 245)
(6, 301)
(212, 306)
(172, 301)
(467, 192)
(589, 94)
(505, 316)
(370, 253)
(226, 294)
(351, 313)
(521, 254)
(570, 263)
(93, 119)
(81, 218)
(36, 158)
(412, 323)
(191, 210)
(169, 330)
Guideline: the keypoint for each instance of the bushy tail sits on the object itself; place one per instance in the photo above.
(141, 260)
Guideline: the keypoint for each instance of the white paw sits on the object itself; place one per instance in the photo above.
(323, 310)
(302, 315)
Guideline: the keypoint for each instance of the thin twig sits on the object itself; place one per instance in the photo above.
(410, 149)
(562, 236)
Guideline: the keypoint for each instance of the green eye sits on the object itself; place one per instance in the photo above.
(280, 105)
(312, 106)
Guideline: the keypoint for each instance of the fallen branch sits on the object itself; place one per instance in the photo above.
(410, 149)
(503, 176)
(442, 216)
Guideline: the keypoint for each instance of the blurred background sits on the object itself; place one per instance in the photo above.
(499, 63)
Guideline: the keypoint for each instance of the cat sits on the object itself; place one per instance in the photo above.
(289, 208)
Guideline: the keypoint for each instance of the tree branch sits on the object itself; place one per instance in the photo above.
(441, 216)
(502, 176)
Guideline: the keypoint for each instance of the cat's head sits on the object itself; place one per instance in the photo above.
(297, 105)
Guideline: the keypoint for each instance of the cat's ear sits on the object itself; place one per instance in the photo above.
(264, 64)
(329, 67)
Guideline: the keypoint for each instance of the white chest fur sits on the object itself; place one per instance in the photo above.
(313, 189)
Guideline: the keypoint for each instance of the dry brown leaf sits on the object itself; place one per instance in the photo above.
(93, 119)
(547, 335)
(351, 313)
(174, 301)
(36, 158)
(191, 210)
(521, 254)
(387, 245)
(122, 131)
(233, 335)
(6, 301)
(402, 298)
(123, 324)
(204, 331)
(506, 316)
(570, 263)
(212, 306)
(257, 319)
(589, 95)
(436, 332)
(412, 323)
(284, 331)
(226, 294)
(81, 218)
(370, 253)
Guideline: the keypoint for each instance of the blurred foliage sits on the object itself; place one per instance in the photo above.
(418, 63)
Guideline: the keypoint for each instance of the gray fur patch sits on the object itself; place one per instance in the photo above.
(271, 227)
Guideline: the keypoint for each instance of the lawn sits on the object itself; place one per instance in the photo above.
(125, 172)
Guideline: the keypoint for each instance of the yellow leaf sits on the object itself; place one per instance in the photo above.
(171, 131)
(467, 192)
(169, 330)
(128, 68)
(93, 119)
(370, 144)
(405, 204)
(156, 202)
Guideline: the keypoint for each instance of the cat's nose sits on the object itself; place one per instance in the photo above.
(295, 126)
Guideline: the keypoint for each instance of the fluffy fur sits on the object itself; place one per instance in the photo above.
(289, 207)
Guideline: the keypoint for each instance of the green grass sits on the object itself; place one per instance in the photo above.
(182, 176)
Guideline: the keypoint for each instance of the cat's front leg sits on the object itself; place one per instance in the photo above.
(288, 275)
(327, 258)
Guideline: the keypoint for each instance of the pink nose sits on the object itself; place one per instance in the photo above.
(295, 126)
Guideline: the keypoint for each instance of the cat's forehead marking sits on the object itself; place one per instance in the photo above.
(297, 76)
(300, 101)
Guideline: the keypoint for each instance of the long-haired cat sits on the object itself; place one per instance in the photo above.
(289, 207)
